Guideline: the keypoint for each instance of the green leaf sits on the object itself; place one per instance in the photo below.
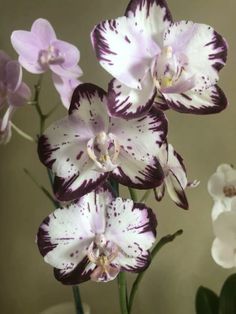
(228, 296)
(207, 302)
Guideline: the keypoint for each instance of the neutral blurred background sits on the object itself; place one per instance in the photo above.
(27, 284)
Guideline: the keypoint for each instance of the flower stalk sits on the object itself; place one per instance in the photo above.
(42, 120)
(163, 241)
(122, 293)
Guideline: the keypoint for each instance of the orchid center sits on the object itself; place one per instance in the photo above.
(104, 150)
(50, 56)
(167, 69)
(229, 190)
(102, 253)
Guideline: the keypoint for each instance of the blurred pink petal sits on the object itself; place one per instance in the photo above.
(13, 75)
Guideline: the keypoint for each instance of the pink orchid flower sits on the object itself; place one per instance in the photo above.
(39, 50)
(152, 58)
(97, 237)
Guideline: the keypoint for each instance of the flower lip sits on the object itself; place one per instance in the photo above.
(102, 253)
(50, 56)
(104, 150)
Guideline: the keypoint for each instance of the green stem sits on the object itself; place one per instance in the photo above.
(77, 299)
(42, 188)
(42, 119)
(22, 133)
(122, 293)
(35, 102)
(133, 194)
(145, 196)
(163, 241)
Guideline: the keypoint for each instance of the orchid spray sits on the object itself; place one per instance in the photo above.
(113, 138)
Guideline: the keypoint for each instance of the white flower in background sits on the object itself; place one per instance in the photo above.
(97, 237)
(224, 246)
(222, 188)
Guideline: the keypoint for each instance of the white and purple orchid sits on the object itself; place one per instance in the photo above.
(97, 237)
(85, 147)
(222, 188)
(152, 58)
(39, 50)
(14, 93)
(175, 178)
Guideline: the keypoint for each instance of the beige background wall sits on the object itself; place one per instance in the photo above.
(26, 283)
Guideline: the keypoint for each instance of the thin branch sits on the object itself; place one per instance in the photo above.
(163, 241)
(42, 188)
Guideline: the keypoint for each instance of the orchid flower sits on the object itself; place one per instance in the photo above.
(39, 50)
(85, 147)
(97, 237)
(13, 93)
(222, 188)
(153, 58)
(175, 180)
(224, 246)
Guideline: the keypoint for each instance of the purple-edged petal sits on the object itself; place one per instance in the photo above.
(150, 16)
(159, 192)
(26, 45)
(85, 181)
(64, 236)
(44, 31)
(205, 49)
(176, 165)
(131, 226)
(68, 158)
(176, 191)
(131, 103)
(140, 142)
(68, 52)
(125, 53)
(134, 264)
(80, 274)
(20, 97)
(89, 106)
(223, 254)
(138, 174)
(211, 100)
(13, 75)
(142, 137)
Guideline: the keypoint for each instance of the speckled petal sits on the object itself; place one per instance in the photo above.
(131, 226)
